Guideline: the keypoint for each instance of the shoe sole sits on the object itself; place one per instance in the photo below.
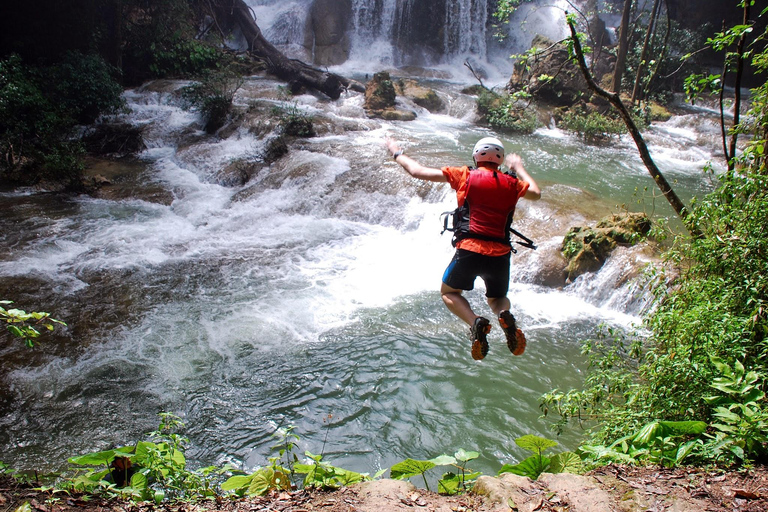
(517, 343)
(479, 340)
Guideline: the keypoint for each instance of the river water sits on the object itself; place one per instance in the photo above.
(307, 296)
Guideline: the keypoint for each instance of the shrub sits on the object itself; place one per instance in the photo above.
(294, 121)
(39, 109)
(212, 96)
(507, 113)
(591, 126)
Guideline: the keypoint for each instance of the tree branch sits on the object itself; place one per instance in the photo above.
(615, 100)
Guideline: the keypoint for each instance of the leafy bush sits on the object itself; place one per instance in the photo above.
(591, 126)
(507, 113)
(294, 121)
(39, 109)
(212, 96)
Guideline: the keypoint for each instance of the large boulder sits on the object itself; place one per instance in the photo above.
(420, 95)
(380, 98)
(550, 76)
(586, 248)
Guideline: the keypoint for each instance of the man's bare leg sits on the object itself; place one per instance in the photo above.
(479, 326)
(458, 304)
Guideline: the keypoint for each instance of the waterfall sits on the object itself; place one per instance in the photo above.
(425, 33)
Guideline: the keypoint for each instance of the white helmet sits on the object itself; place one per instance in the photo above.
(488, 149)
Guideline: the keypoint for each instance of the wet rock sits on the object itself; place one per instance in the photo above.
(236, 173)
(420, 95)
(380, 98)
(326, 34)
(587, 248)
(550, 76)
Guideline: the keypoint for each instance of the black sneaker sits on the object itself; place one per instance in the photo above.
(477, 334)
(515, 337)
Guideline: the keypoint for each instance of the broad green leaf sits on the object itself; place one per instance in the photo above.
(684, 427)
(139, 481)
(409, 468)
(93, 459)
(534, 444)
(443, 460)
(304, 469)
(448, 484)
(648, 433)
(261, 482)
(466, 456)
(566, 462)
(237, 482)
(530, 467)
(683, 451)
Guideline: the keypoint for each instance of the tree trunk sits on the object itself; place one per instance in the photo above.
(737, 90)
(621, 56)
(644, 53)
(291, 70)
(614, 99)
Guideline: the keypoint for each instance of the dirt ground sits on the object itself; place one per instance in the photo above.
(609, 489)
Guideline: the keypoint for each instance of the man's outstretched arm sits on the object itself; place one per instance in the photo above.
(411, 166)
(514, 162)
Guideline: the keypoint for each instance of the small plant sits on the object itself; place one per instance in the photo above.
(294, 121)
(741, 429)
(666, 443)
(25, 325)
(538, 463)
(507, 113)
(318, 474)
(591, 126)
(151, 470)
(212, 96)
(450, 483)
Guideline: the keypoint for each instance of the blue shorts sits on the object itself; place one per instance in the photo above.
(466, 266)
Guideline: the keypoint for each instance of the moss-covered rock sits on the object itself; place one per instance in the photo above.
(587, 248)
(380, 98)
(420, 95)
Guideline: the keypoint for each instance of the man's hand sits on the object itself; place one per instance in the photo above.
(513, 161)
(391, 145)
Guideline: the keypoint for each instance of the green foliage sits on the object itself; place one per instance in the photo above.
(321, 475)
(591, 126)
(704, 361)
(294, 121)
(212, 96)
(665, 443)
(160, 42)
(507, 113)
(25, 325)
(741, 414)
(450, 482)
(538, 463)
(39, 109)
(159, 469)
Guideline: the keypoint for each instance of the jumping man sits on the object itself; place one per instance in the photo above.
(487, 198)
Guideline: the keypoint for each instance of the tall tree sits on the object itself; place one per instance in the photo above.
(615, 100)
(644, 53)
(621, 55)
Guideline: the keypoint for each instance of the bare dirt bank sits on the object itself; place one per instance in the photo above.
(609, 489)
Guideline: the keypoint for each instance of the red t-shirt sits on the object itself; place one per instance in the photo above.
(457, 178)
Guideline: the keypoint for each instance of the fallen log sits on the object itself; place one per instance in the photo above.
(293, 71)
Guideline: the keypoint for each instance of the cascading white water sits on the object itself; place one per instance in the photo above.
(386, 33)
